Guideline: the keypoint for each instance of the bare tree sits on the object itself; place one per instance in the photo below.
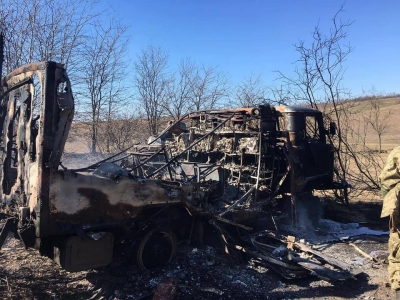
(70, 32)
(101, 74)
(194, 88)
(280, 96)
(44, 30)
(318, 83)
(124, 130)
(251, 92)
(366, 163)
(377, 119)
(208, 87)
(179, 92)
(151, 81)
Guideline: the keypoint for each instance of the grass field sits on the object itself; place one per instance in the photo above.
(388, 115)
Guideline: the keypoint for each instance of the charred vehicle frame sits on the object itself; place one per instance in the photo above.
(201, 172)
(279, 152)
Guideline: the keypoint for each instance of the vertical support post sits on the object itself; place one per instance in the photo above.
(47, 112)
(1, 58)
(260, 142)
(167, 161)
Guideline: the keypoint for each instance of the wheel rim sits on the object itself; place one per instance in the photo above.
(156, 249)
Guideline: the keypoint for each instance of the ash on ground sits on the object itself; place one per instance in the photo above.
(202, 272)
(329, 231)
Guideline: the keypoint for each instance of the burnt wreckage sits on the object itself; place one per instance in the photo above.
(273, 150)
(213, 168)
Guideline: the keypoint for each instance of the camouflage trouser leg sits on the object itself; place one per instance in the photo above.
(394, 260)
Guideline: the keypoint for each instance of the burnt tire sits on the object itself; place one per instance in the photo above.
(154, 249)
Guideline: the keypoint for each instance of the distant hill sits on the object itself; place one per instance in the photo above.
(389, 113)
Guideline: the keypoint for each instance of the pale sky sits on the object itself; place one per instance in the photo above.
(257, 37)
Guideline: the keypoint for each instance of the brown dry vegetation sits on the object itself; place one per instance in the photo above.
(390, 109)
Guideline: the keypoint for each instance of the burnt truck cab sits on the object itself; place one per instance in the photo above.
(312, 158)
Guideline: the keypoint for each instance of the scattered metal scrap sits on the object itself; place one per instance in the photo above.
(292, 253)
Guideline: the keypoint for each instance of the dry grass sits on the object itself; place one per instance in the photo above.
(390, 112)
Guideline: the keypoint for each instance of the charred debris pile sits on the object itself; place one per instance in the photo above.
(226, 169)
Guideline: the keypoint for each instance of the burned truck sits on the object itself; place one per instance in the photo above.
(145, 199)
(277, 152)
(69, 214)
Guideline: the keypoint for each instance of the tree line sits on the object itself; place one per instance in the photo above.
(114, 96)
(92, 44)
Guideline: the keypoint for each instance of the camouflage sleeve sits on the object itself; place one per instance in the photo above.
(390, 202)
(390, 174)
(389, 180)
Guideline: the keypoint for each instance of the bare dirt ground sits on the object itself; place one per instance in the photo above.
(206, 272)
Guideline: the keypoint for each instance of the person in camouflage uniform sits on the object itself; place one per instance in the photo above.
(389, 180)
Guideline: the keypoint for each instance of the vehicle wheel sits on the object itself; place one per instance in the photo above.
(155, 249)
